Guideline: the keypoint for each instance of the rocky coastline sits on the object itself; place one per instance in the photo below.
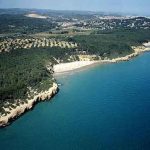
(61, 68)
(22, 108)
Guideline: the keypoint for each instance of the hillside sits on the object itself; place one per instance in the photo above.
(27, 58)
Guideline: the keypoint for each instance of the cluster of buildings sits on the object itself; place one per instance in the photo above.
(9, 44)
(110, 22)
(120, 22)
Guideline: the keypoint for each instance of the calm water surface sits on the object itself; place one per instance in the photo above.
(106, 107)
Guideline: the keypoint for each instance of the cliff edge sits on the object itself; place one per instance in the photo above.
(22, 108)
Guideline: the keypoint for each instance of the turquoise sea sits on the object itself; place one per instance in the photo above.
(106, 107)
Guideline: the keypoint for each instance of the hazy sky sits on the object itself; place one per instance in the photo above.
(131, 6)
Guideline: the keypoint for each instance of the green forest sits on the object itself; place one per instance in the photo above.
(112, 43)
(23, 68)
(24, 25)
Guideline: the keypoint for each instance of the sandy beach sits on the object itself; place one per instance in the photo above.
(67, 67)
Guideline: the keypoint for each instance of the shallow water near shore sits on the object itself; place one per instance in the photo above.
(105, 107)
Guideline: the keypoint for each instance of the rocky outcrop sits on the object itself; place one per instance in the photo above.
(22, 108)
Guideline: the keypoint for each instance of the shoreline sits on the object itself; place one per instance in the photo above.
(22, 108)
(14, 113)
(63, 68)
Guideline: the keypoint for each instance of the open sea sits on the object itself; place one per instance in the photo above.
(105, 107)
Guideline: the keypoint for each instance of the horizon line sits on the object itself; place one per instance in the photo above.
(92, 11)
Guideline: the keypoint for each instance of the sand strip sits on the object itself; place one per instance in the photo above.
(67, 67)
